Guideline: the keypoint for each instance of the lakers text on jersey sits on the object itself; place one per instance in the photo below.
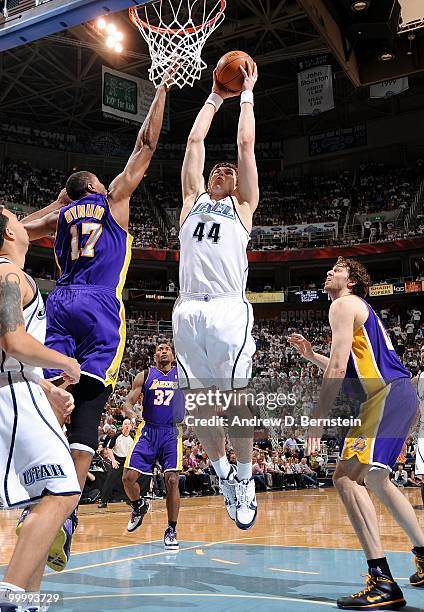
(159, 436)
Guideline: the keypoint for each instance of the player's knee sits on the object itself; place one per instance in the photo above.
(84, 440)
(339, 481)
(171, 480)
(69, 503)
(129, 477)
(377, 478)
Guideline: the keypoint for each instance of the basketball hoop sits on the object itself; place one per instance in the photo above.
(176, 32)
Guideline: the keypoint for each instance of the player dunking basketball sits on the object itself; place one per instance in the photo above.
(362, 352)
(212, 320)
(159, 438)
(85, 313)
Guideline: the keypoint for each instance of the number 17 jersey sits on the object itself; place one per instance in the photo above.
(213, 259)
(91, 248)
(85, 312)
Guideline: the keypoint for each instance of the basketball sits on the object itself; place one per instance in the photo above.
(228, 73)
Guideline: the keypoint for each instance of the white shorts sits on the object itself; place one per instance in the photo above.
(419, 457)
(35, 459)
(213, 341)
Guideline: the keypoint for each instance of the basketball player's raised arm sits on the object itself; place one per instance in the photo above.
(14, 340)
(247, 185)
(192, 180)
(123, 186)
(134, 395)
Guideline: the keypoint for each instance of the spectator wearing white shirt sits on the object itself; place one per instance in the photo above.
(401, 476)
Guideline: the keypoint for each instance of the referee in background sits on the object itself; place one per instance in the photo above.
(117, 449)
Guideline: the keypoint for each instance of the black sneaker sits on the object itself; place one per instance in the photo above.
(102, 504)
(381, 593)
(417, 579)
(137, 517)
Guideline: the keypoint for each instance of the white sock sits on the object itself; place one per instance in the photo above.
(6, 587)
(222, 467)
(244, 471)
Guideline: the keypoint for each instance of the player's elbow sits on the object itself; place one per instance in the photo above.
(195, 138)
(246, 141)
(11, 343)
(338, 370)
(149, 147)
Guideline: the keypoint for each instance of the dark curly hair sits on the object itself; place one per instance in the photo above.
(357, 273)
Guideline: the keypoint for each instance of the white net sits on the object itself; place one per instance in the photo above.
(176, 32)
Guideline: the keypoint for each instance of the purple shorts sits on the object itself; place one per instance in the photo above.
(87, 323)
(156, 443)
(386, 421)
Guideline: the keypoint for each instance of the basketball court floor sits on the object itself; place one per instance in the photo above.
(301, 555)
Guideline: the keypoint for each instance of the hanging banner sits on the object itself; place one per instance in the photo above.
(338, 140)
(387, 89)
(128, 98)
(315, 90)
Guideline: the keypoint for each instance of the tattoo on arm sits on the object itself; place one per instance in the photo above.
(11, 315)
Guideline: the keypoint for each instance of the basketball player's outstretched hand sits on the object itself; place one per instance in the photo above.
(250, 76)
(222, 91)
(72, 371)
(303, 346)
(62, 403)
(63, 199)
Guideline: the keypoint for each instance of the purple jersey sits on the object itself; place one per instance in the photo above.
(91, 248)
(85, 312)
(163, 401)
(373, 362)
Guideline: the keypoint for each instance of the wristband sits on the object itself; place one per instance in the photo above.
(35, 378)
(246, 96)
(215, 100)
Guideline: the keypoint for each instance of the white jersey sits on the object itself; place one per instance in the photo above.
(35, 324)
(213, 259)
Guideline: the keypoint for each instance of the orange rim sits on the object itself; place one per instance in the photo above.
(135, 18)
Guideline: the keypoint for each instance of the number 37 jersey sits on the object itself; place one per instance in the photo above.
(91, 248)
(213, 240)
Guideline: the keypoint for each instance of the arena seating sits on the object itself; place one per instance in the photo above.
(352, 199)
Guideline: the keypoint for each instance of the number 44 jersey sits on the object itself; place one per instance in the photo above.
(212, 320)
(85, 313)
(213, 258)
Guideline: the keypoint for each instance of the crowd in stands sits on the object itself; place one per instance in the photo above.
(380, 187)
(349, 199)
